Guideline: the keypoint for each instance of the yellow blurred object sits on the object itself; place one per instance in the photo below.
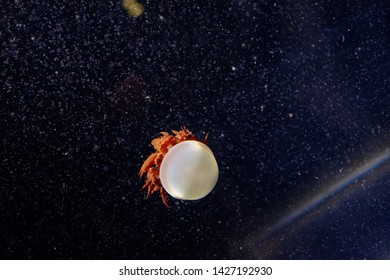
(134, 8)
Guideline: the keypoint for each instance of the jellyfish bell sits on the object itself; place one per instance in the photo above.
(189, 170)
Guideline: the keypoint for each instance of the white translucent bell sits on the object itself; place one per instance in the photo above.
(189, 170)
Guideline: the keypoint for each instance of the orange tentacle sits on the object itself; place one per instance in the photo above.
(147, 164)
(164, 197)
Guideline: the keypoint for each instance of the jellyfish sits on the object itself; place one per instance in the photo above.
(182, 166)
